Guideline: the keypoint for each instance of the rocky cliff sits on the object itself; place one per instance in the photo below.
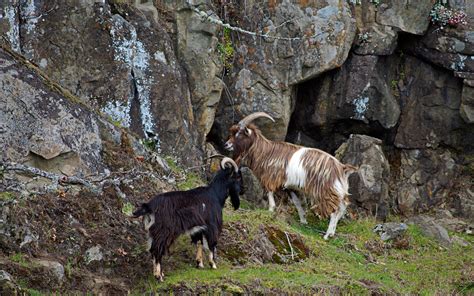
(100, 100)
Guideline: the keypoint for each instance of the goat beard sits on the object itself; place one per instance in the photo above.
(234, 198)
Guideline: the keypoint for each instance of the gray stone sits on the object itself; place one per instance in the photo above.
(390, 230)
(254, 192)
(411, 16)
(93, 254)
(7, 286)
(459, 241)
(369, 186)
(54, 267)
(430, 228)
(5, 276)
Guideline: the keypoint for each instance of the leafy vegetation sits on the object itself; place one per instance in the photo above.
(226, 50)
(442, 15)
(184, 180)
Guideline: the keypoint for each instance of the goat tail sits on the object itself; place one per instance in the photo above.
(144, 209)
(349, 169)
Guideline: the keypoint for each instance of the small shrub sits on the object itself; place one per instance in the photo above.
(443, 16)
(127, 209)
(226, 50)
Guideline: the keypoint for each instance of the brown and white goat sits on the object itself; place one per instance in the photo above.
(281, 165)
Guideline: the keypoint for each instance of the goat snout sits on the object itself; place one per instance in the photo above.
(229, 146)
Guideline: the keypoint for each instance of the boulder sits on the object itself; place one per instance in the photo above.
(430, 228)
(411, 17)
(390, 230)
(254, 192)
(54, 268)
(372, 38)
(93, 254)
(369, 186)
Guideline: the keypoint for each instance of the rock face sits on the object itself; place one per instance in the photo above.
(433, 118)
(56, 134)
(426, 180)
(369, 186)
(263, 75)
(197, 43)
(108, 55)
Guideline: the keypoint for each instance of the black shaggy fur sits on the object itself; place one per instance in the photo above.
(177, 212)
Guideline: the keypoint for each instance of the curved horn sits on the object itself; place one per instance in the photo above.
(249, 118)
(215, 155)
(227, 160)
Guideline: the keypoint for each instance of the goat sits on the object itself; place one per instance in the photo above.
(197, 212)
(281, 165)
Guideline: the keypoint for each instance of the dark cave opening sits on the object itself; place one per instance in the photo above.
(327, 130)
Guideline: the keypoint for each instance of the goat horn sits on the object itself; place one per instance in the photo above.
(229, 160)
(214, 156)
(249, 118)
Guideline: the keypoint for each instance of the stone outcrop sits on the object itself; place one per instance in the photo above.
(110, 56)
(302, 42)
(369, 186)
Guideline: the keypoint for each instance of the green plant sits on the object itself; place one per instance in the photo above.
(127, 209)
(149, 143)
(6, 196)
(226, 50)
(20, 259)
(375, 2)
(443, 16)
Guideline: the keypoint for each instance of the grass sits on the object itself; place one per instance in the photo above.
(7, 196)
(185, 180)
(425, 268)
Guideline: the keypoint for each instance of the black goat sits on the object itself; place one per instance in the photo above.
(197, 212)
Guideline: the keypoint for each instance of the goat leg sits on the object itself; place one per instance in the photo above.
(271, 202)
(157, 272)
(199, 256)
(296, 201)
(212, 256)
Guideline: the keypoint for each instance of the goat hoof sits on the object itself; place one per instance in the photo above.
(199, 264)
(213, 266)
(304, 222)
(159, 278)
(328, 235)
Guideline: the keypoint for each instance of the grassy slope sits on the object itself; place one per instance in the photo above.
(343, 264)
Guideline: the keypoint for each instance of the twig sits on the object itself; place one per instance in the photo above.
(291, 247)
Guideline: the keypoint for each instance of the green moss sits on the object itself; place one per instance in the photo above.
(7, 196)
(20, 259)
